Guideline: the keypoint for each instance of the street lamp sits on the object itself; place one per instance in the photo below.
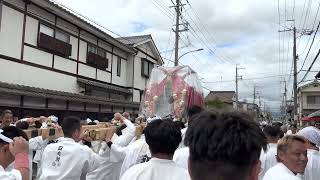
(190, 52)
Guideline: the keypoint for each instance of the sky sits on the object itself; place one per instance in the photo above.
(231, 32)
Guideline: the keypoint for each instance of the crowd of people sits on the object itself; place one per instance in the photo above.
(210, 146)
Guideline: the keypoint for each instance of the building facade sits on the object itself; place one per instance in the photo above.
(53, 61)
(308, 98)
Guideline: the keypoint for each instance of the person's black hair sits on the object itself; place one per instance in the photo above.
(22, 125)
(272, 131)
(193, 110)
(224, 146)
(293, 125)
(12, 132)
(38, 124)
(92, 123)
(3, 113)
(69, 125)
(179, 124)
(162, 136)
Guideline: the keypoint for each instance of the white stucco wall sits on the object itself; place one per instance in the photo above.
(103, 76)
(136, 96)
(65, 64)
(122, 80)
(31, 33)
(36, 77)
(139, 80)
(87, 71)
(37, 56)
(74, 44)
(130, 71)
(11, 32)
(83, 51)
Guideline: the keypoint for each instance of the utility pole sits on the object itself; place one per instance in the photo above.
(176, 47)
(255, 93)
(295, 73)
(177, 30)
(237, 91)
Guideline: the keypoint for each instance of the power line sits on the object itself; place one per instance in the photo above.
(314, 36)
(265, 77)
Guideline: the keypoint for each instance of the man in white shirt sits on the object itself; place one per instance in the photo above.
(292, 159)
(163, 138)
(224, 147)
(112, 156)
(68, 159)
(181, 155)
(191, 112)
(268, 158)
(312, 136)
(13, 148)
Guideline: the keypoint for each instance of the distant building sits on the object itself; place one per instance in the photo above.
(220, 100)
(54, 61)
(308, 98)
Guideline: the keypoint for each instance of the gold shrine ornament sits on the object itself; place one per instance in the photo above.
(155, 98)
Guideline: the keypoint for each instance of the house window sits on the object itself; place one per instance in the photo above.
(62, 36)
(97, 57)
(146, 68)
(312, 100)
(92, 48)
(46, 30)
(118, 66)
(57, 45)
(101, 52)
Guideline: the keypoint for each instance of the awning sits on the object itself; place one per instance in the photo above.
(104, 86)
(47, 93)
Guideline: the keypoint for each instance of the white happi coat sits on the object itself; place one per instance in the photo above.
(66, 160)
(111, 159)
(10, 175)
(183, 135)
(35, 144)
(268, 159)
(312, 171)
(156, 169)
(181, 157)
(280, 172)
(135, 153)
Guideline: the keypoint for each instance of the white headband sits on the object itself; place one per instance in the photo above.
(4, 138)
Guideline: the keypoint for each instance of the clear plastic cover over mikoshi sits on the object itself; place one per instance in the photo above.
(170, 91)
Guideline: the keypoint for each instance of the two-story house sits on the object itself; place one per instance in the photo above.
(308, 98)
(53, 61)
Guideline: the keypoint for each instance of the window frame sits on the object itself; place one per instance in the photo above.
(311, 100)
(146, 64)
(118, 66)
(47, 27)
(63, 33)
(96, 48)
(57, 46)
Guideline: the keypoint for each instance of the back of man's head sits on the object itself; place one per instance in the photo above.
(12, 132)
(163, 137)
(70, 125)
(272, 133)
(224, 147)
(192, 111)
